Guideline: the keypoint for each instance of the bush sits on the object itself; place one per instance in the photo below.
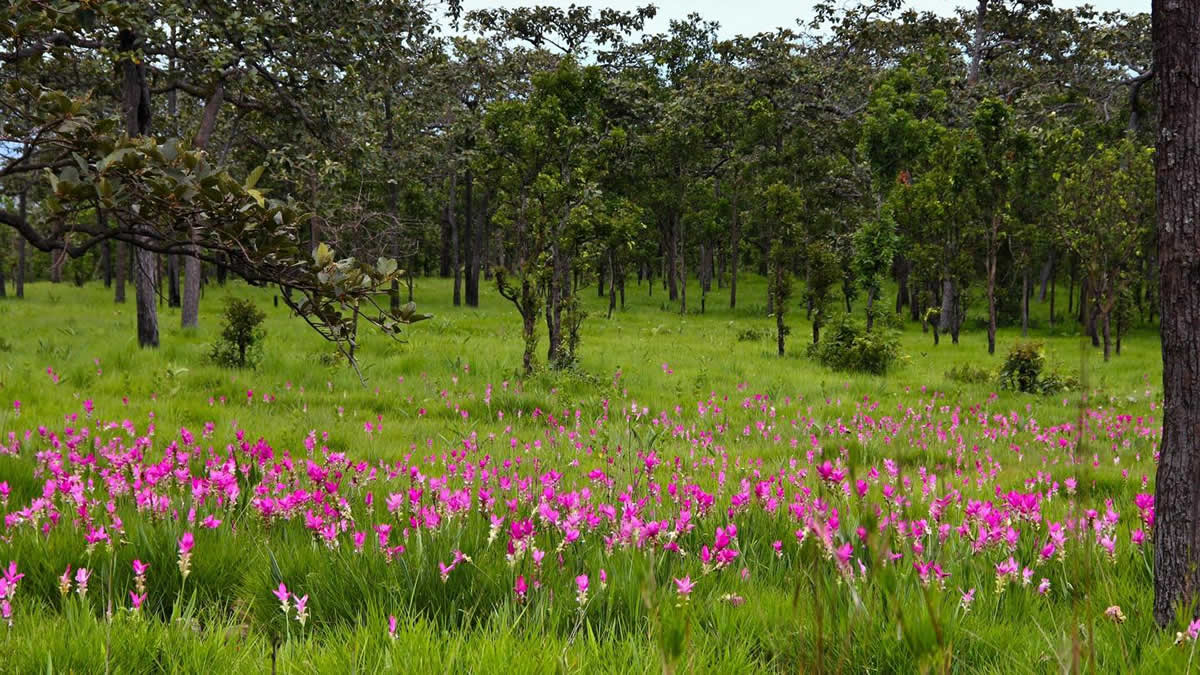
(240, 344)
(969, 374)
(1025, 370)
(753, 334)
(848, 346)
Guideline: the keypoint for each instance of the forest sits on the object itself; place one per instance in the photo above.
(632, 305)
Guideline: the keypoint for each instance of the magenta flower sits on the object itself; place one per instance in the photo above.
(139, 568)
(283, 595)
(81, 580)
(521, 588)
(581, 584)
(211, 522)
(302, 609)
(392, 626)
(136, 600)
(967, 598)
(185, 554)
(684, 586)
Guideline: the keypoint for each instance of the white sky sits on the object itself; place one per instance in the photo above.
(747, 17)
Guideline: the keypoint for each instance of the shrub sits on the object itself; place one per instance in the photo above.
(240, 344)
(969, 374)
(752, 334)
(848, 346)
(1025, 370)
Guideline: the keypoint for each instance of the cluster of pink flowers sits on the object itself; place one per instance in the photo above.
(994, 489)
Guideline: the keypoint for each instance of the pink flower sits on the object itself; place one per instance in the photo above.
(283, 595)
(684, 586)
(967, 598)
(81, 580)
(520, 588)
(210, 522)
(302, 609)
(1043, 587)
(139, 568)
(392, 626)
(581, 584)
(136, 600)
(185, 543)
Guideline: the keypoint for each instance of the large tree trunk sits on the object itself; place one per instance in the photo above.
(735, 238)
(946, 315)
(19, 281)
(1047, 273)
(455, 250)
(977, 43)
(106, 262)
(121, 272)
(173, 295)
(193, 270)
(136, 107)
(1025, 303)
(1176, 33)
(471, 241)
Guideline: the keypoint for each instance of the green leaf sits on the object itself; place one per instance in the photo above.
(252, 179)
(322, 255)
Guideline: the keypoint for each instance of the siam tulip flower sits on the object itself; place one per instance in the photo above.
(64, 582)
(684, 586)
(136, 600)
(392, 626)
(139, 575)
(968, 597)
(778, 546)
(283, 595)
(1138, 536)
(6, 611)
(81, 580)
(603, 579)
(733, 599)
(581, 584)
(1043, 587)
(210, 522)
(302, 609)
(1115, 614)
(520, 588)
(185, 554)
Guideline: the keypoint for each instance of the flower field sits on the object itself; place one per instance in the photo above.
(458, 517)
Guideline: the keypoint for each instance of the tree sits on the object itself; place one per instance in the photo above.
(1177, 163)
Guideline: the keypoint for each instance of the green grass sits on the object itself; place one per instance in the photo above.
(799, 612)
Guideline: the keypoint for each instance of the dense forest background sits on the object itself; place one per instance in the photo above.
(977, 162)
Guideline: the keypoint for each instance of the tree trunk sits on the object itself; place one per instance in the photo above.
(612, 285)
(471, 241)
(902, 271)
(1025, 304)
(735, 238)
(946, 314)
(106, 261)
(977, 44)
(1053, 283)
(121, 272)
(19, 280)
(452, 216)
(173, 296)
(871, 293)
(136, 107)
(1047, 274)
(190, 316)
(1104, 321)
(57, 260)
(1176, 37)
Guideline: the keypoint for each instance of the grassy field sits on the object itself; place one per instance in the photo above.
(685, 502)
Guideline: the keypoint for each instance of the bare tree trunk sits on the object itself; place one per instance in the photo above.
(136, 107)
(470, 241)
(977, 43)
(19, 281)
(735, 239)
(122, 272)
(1176, 35)
(106, 262)
(452, 213)
(946, 314)
(57, 260)
(173, 296)
(1025, 303)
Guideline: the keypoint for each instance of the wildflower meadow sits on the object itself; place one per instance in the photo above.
(684, 501)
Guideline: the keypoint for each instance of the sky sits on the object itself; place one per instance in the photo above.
(748, 17)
